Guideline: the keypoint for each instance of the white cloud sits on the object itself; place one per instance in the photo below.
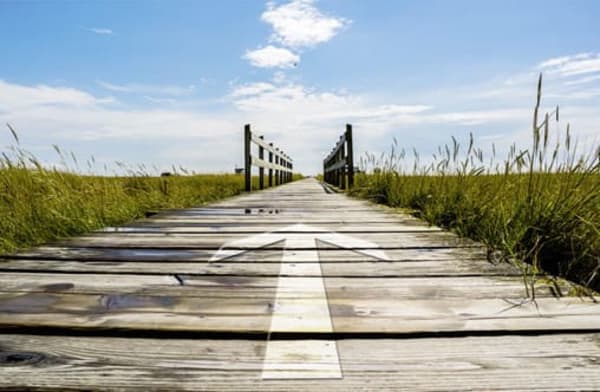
(73, 114)
(299, 24)
(249, 89)
(148, 89)
(170, 101)
(18, 97)
(271, 56)
(584, 80)
(290, 98)
(484, 116)
(295, 101)
(303, 120)
(100, 30)
(558, 61)
(582, 63)
(278, 77)
(391, 110)
(296, 24)
(310, 121)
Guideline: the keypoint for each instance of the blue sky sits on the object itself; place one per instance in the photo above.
(164, 83)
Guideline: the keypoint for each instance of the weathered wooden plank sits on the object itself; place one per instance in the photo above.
(209, 241)
(190, 228)
(281, 213)
(267, 165)
(364, 269)
(317, 206)
(246, 222)
(329, 254)
(383, 315)
(337, 166)
(276, 220)
(532, 363)
(263, 287)
(296, 206)
(266, 212)
(300, 203)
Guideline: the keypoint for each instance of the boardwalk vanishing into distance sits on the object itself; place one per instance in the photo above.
(292, 288)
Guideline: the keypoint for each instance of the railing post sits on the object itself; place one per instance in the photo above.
(284, 172)
(339, 157)
(261, 170)
(277, 161)
(349, 156)
(271, 162)
(247, 158)
(343, 168)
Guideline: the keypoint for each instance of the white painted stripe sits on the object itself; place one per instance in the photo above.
(301, 306)
(301, 300)
(291, 359)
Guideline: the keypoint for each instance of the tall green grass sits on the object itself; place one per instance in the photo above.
(540, 205)
(40, 204)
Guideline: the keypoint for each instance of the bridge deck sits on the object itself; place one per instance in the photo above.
(289, 288)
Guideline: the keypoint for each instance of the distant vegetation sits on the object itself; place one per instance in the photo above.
(540, 205)
(39, 204)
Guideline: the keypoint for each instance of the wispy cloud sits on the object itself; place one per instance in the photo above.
(272, 57)
(148, 89)
(300, 24)
(579, 64)
(584, 80)
(251, 89)
(297, 101)
(99, 30)
(170, 101)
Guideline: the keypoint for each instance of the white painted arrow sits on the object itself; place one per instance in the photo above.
(301, 300)
(298, 231)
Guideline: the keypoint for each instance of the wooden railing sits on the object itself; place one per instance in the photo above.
(338, 167)
(278, 164)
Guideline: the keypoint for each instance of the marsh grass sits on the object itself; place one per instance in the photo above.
(540, 205)
(40, 204)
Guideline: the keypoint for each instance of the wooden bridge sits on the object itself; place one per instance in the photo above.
(340, 294)
(296, 287)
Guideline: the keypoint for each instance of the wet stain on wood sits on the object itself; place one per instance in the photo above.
(57, 287)
(20, 358)
(28, 303)
(342, 310)
(127, 301)
(230, 281)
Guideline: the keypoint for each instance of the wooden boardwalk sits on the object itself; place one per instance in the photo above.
(292, 288)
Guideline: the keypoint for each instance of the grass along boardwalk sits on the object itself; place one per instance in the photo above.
(290, 288)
